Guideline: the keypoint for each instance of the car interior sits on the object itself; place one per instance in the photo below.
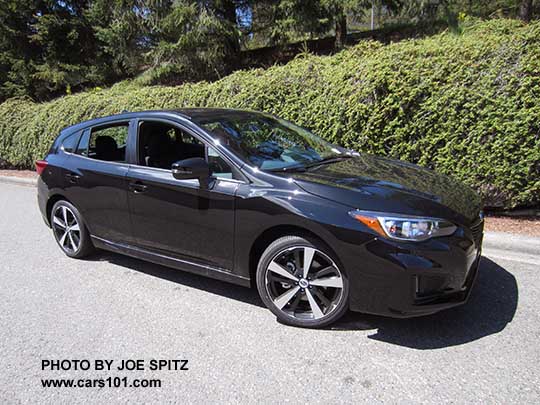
(108, 144)
(161, 145)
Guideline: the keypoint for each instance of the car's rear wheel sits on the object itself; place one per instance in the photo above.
(301, 283)
(69, 230)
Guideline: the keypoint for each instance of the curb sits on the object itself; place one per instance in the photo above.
(25, 181)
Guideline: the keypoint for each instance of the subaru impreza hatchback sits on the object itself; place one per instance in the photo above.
(255, 200)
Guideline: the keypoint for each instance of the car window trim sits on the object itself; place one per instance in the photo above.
(97, 160)
(89, 129)
(135, 155)
(169, 171)
(76, 134)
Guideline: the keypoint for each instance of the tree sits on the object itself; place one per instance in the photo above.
(46, 48)
(525, 10)
(193, 41)
(318, 17)
(16, 51)
(121, 30)
(67, 49)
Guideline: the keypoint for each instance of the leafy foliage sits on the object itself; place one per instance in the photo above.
(49, 48)
(192, 43)
(467, 105)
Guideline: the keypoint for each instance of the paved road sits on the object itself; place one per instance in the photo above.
(113, 307)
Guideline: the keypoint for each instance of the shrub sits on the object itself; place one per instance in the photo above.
(466, 104)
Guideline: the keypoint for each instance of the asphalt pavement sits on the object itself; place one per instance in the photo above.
(117, 308)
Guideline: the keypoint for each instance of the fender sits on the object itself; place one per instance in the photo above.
(287, 211)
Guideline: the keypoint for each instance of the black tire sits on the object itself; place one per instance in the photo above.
(75, 242)
(290, 253)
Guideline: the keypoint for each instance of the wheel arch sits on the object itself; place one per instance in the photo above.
(53, 199)
(269, 235)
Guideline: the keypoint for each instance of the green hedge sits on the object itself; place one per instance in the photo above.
(464, 104)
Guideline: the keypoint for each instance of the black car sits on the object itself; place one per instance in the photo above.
(252, 199)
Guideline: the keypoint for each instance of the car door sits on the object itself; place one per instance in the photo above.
(96, 180)
(177, 217)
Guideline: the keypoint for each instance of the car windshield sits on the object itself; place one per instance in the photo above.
(270, 143)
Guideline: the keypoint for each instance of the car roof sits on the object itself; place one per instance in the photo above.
(192, 114)
(199, 115)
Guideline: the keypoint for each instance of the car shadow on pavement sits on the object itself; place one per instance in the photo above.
(199, 282)
(491, 306)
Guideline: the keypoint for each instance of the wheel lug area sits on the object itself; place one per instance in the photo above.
(303, 283)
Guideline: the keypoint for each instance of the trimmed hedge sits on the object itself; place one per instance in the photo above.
(466, 104)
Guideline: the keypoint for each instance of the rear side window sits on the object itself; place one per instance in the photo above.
(105, 143)
(69, 144)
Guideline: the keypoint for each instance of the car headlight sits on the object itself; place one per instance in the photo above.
(407, 228)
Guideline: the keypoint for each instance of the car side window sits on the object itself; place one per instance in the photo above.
(162, 144)
(82, 147)
(219, 168)
(69, 144)
(105, 143)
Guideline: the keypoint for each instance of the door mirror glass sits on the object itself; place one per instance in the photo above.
(192, 168)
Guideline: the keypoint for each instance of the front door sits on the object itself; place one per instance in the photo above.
(177, 217)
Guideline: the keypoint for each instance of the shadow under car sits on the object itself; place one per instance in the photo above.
(491, 306)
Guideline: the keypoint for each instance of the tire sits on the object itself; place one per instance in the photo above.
(75, 241)
(311, 299)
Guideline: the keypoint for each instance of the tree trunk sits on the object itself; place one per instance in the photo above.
(525, 10)
(341, 31)
(372, 25)
(229, 11)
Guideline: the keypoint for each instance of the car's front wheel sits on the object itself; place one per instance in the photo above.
(301, 283)
(69, 230)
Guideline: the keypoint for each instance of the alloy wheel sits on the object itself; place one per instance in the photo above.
(66, 229)
(304, 283)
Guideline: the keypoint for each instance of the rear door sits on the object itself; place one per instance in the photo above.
(96, 180)
(177, 217)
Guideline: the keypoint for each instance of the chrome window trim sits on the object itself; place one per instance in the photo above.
(168, 171)
(97, 160)
(150, 168)
(196, 136)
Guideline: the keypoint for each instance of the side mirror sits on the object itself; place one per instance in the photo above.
(192, 168)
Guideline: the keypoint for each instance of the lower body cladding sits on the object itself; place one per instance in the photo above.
(403, 279)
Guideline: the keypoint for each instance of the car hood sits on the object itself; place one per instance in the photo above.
(379, 184)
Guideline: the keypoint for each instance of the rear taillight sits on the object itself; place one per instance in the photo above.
(40, 166)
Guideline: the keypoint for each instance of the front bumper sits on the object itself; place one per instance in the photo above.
(413, 279)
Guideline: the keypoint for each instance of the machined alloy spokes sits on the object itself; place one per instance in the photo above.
(304, 283)
(66, 228)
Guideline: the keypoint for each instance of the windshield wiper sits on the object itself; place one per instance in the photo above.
(294, 168)
(327, 161)
(304, 167)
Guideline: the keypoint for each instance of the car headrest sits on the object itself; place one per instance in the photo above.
(106, 148)
(158, 143)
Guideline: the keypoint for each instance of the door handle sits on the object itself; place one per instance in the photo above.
(137, 187)
(72, 178)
